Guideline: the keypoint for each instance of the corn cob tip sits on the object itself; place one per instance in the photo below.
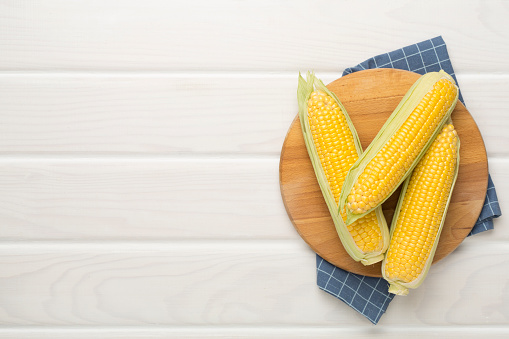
(397, 289)
(372, 260)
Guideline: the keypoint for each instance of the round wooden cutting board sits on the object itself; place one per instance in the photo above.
(370, 97)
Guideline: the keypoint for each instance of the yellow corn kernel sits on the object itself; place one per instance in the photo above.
(389, 166)
(369, 232)
(420, 214)
(335, 145)
(399, 145)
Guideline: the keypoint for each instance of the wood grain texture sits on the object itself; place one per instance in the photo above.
(484, 98)
(195, 332)
(141, 199)
(117, 117)
(248, 35)
(129, 114)
(236, 284)
(147, 199)
(171, 114)
(370, 97)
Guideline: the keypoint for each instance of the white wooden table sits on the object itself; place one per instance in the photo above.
(139, 152)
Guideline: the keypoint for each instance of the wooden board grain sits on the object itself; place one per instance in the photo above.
(370, 97)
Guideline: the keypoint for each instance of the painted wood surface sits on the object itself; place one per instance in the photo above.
(173, 36)
(218, 284)
(139, 152)
(79, 114)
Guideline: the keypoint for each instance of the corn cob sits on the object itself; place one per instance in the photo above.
(420, 214)
(399, 145)
(333, 146)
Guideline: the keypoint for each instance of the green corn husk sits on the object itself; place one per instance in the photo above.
(305, 88)
(400, 287)
(406, 106)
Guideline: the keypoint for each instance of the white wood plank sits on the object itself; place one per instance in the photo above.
(359, 332)
(139, 169)
(252, 35)
(147, 199)
(108, 199)
(175, 114)
(499, 170)
(486, 99)
(226, 284)
(154, 114)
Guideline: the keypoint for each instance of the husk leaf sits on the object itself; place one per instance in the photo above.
(400, 287)
(305, 88)
(411, 99)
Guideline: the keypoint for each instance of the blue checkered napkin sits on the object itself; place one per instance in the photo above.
(367, 295)
(370, 296)
(490, 210)
(423, 57)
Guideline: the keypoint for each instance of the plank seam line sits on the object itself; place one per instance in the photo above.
(111, 157)
(151, 245)
(209, 74)
(260, 329)
(26, 157)
(213, 244)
